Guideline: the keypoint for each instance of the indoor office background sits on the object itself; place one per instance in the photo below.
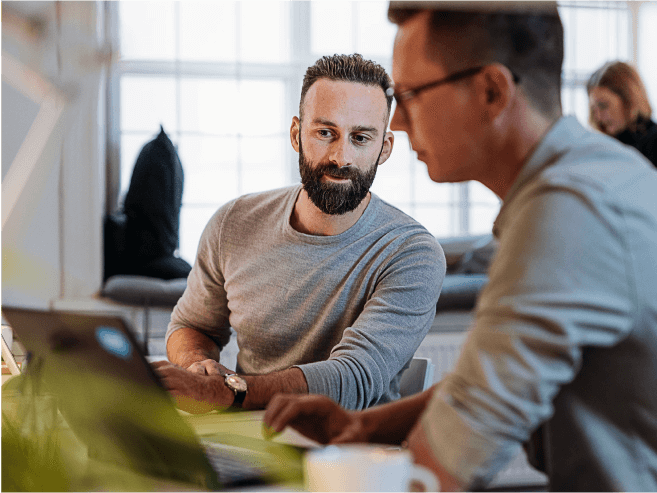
(224, 79)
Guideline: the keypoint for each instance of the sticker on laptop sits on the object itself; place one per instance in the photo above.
(114, 342)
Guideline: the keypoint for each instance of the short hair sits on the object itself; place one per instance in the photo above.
(527, 40)
(623, 80)
(349, 68)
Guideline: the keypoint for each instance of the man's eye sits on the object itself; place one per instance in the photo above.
(324, 133)
(361, 139)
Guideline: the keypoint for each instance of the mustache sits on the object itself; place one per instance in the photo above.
(336, 171)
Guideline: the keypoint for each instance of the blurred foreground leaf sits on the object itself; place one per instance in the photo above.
(32, 457)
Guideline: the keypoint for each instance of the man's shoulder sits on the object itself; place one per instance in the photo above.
(597, 162)
(260, 204)
(250, 212)
(257, 199)
(392, 221)
(394, 217)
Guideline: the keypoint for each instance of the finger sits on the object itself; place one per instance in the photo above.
(197, 368)
(350, 434)
(294, 410)
(276, 403)
(215, 368)
(283, 413)
(268, 433)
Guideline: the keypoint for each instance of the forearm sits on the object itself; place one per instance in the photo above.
(186, 346)
(261, 388)
(421, 450)
(391, 423)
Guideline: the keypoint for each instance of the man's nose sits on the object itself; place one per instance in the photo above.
(342, 153)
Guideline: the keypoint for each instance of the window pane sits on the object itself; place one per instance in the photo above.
(594, 36)
(147, 102)
(481, 219)
(575, 101)
(208, 31)
(210, 165)
(263, 163)
(393, 182)
(375, 34)
(209, 106)
(430, 192)
(331, 27)
(147, 30)
(264, 31)
(261, 110)
(439, 220)
(193, 220)
(479, 194)
(483, 209)
(646, 53)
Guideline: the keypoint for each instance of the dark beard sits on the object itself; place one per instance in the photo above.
(335, 198)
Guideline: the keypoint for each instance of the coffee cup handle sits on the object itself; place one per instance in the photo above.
(425, 477)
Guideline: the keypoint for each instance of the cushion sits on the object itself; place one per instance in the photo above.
(140, 290)
(460, 291)
(153, 200)
(469, 254)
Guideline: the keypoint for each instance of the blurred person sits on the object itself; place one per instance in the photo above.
(564, 342)
(329, 289)
(619, 107)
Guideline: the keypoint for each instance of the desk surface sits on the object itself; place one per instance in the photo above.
(246, 423)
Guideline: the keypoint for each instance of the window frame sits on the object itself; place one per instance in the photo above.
(291, 74)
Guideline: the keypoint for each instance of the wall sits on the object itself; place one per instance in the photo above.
(52, 239)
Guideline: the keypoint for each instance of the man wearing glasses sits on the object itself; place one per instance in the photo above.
(565, 333)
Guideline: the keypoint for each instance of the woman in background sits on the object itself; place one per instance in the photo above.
(619, 107)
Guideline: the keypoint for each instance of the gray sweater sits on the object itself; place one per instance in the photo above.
(349, 310)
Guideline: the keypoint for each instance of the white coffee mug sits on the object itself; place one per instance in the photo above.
(364, 467)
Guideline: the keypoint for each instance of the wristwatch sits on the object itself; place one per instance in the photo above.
(238, 385)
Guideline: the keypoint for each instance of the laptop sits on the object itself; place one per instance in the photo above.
(116, 405)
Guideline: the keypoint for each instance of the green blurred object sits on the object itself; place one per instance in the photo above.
(40, 452)
(32, 458)
(268, 432)
(113, 426)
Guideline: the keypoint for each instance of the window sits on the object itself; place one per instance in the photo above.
(597, 32)
(224, 78)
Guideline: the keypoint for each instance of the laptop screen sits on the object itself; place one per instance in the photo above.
(108, 393)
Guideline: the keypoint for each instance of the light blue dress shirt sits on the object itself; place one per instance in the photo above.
(566, 330)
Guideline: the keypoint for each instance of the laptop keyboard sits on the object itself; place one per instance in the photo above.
(234, 464)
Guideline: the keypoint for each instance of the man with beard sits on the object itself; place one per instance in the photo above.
(330, 290)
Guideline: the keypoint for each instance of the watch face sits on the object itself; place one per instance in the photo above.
(236, 382)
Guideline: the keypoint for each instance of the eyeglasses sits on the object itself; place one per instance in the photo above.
(402, 97)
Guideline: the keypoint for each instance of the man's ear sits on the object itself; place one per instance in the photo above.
(295, 128)
(388, 143)
(496, 89)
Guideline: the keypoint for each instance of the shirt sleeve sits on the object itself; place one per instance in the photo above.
(392, 324)
(204, 304)
(559, 282)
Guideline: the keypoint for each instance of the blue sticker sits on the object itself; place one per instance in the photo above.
(113, 341)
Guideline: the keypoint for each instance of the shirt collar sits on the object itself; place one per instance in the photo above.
(556, 142)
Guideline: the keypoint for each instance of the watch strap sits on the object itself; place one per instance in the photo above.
(239, 399)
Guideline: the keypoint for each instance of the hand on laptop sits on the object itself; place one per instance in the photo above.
(315, 416)
(192, 392)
